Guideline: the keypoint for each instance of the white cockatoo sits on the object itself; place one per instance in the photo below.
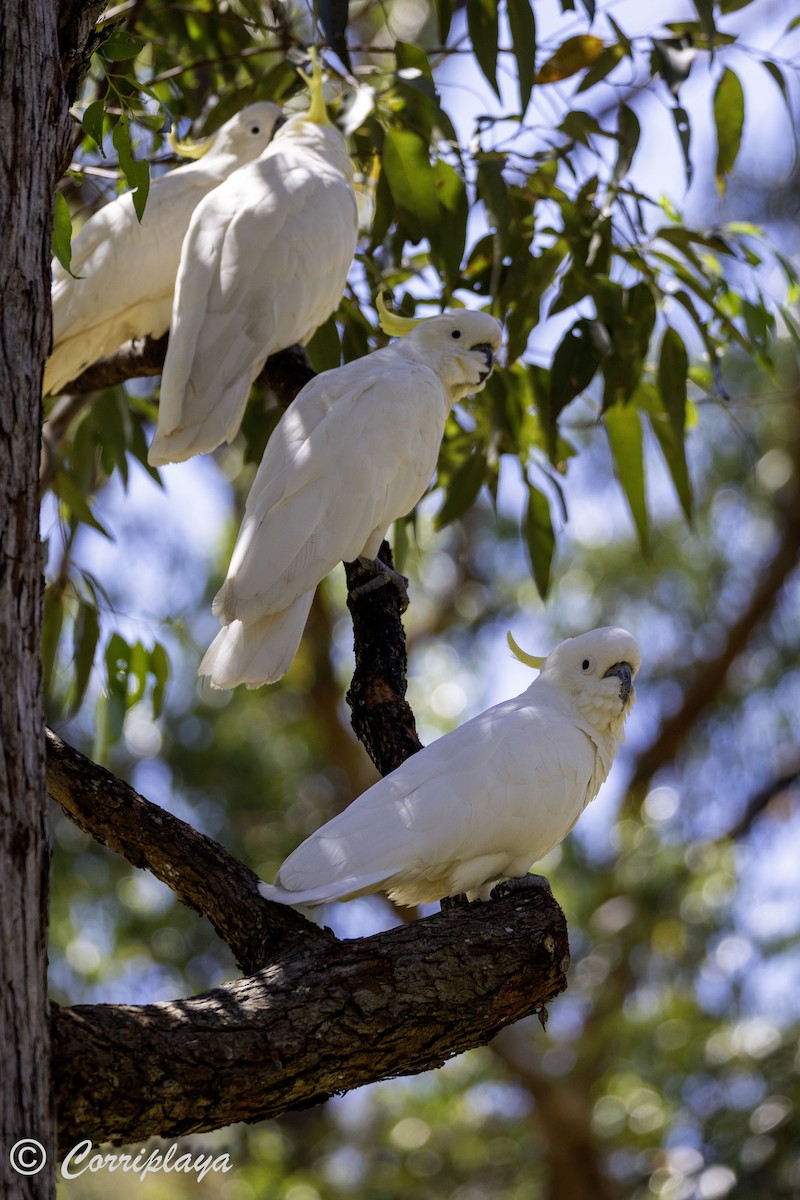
(264, 263)
(355, 451)
(484, 802)
(127, 269)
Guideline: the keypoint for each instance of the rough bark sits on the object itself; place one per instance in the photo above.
(324, 1017)
(381, 717)
(284, 374)
(33, 136)
(200, 871)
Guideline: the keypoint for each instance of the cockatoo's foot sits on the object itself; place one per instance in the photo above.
(522, 883)
(451, 903)
(381, 575)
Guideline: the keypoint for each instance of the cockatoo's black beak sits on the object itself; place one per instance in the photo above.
(488, 353)
(625, 675)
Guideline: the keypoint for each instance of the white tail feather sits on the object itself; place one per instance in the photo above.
(257, 653)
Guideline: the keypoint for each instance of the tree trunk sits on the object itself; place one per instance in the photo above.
(33, 127)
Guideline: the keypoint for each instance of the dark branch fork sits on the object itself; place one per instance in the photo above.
(314, 1015)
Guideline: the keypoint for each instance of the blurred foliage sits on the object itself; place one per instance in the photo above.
(643, 386)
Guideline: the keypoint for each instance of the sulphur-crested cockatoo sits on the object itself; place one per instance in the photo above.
(484, 802)
(264, 263)
(127, 270)
(354, 452)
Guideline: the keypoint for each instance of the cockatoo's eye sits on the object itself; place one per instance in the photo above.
(456, 333)
(587, 666)
(255, 129)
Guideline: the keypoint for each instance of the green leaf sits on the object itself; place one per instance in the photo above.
(611, 57)
(705, 11)
(483, 28)
(684, 131)
(673, 370)
(628, 131)
(462, 490)
(444, 15)
(729, 120)
(412, 180)
(574, 364)
(62, 233)
(624, 429)
(673, 450)
(450, 237)
(53, 620)
(572, 56)
(539, 538)
(159, 669)
(523, 40)
(122, 46)
(93, 121)
(85, 635)
(493, 191)
(136, 171)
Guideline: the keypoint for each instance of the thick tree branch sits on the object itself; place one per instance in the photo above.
(323, 1018)
(381, 716)
(283, 373)
(200, 871)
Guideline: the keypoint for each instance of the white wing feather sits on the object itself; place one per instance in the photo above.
(487, 800)
(264, 263)
(126, 269)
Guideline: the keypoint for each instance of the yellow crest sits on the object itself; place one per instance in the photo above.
(392, 323)
(531, 660)
(189, 149)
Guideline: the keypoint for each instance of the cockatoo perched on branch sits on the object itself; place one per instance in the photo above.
(484, 802)
(127, 270)
(355, 451)
(264, 263)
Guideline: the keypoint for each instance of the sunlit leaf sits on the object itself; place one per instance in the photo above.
(92, 121)
(136, 171)
(62, 232)
(122, 46)
(575, 54)
(729, 120)
(411, 178)
(611, 57)
(705, 11)
(673, 369)
(624, 429)
(85, 635)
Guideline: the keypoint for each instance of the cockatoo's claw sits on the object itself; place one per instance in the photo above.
(451, 903)
(381, 575)
(521, 883)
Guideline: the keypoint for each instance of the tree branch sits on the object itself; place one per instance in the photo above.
(283, 373)
(201, 872)
(323, 1018)
(381, 716)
